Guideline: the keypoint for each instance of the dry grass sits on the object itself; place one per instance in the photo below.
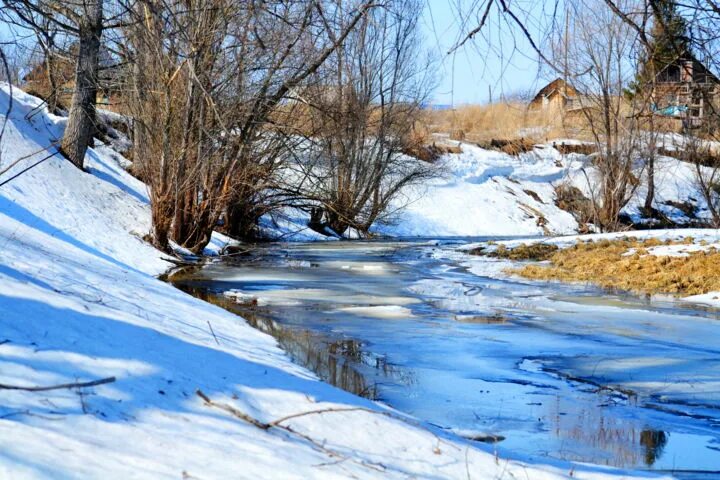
(505, 121)
(534, 251)
(604, 263)
(432, 152)
(571, 199)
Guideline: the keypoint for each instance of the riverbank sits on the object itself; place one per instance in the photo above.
(681, 263)
(102, 363)
(552, 370)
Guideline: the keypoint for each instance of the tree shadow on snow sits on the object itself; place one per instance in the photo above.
(108, 175)
(32, 221)
(155, 371)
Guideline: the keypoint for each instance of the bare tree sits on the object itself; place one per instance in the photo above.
(209, 76)
(600, 63)
(80, 128)
(5, 73)
(14, 60)
(25, 17)
(707, 174)
(363, 107)
(82, 19)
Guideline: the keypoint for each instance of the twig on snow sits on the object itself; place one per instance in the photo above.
(276, 424)
(31, 414)
(233, 411)
(82, 401)
(467, 465)
(93, 383)
(213, 332)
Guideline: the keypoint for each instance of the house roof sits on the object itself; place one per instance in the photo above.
(556, 86)
(687, 56)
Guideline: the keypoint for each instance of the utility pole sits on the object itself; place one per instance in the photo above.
(565, 66)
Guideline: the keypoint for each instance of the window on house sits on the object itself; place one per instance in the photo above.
(670, 74)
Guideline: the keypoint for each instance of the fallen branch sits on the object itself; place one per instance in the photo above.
(213, 332)
(93, 383)
(233, 411)
(31, 414)
(276, 424)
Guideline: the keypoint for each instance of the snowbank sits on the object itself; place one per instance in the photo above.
(488, 193)
(698, 234)
(703, 240)
(491, 193)
(80, 302)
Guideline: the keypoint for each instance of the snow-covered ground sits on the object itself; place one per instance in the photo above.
(79, 301)
(697, 240)
(490, 193)
(706, 235)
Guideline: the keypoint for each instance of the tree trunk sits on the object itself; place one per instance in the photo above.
(139, 147)
(242, 218)
(650, 198)
(52, 98)
(81, 124)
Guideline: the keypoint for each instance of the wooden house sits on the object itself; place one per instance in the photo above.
(109, 93)
(556, 95)
(686, 90)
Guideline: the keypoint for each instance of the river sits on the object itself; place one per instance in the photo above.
(530, 369)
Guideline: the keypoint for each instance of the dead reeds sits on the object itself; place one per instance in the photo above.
(628, 265)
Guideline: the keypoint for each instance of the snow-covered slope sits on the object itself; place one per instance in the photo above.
(79, 302)
(89, 213)
(479, 193)
(488, 193)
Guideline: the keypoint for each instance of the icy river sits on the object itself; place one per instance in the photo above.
(529, 369)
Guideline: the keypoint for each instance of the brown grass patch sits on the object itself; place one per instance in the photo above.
(512, 147)
(483, 123)
(604, 263)
(581, 148)
(534, 251)
(431, 153)
(571, 199)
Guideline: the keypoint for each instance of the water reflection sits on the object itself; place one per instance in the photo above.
(343, 363)
(654, 442)
(530, 367)
(616, 441)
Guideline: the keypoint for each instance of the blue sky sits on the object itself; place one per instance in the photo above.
(489, 63)
(482, 66)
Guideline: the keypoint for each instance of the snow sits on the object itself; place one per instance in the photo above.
(80, 302)
(710, 298)
(682, 250)
(488, 193)
(697, 234)
(380, 311)
(703, 240)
